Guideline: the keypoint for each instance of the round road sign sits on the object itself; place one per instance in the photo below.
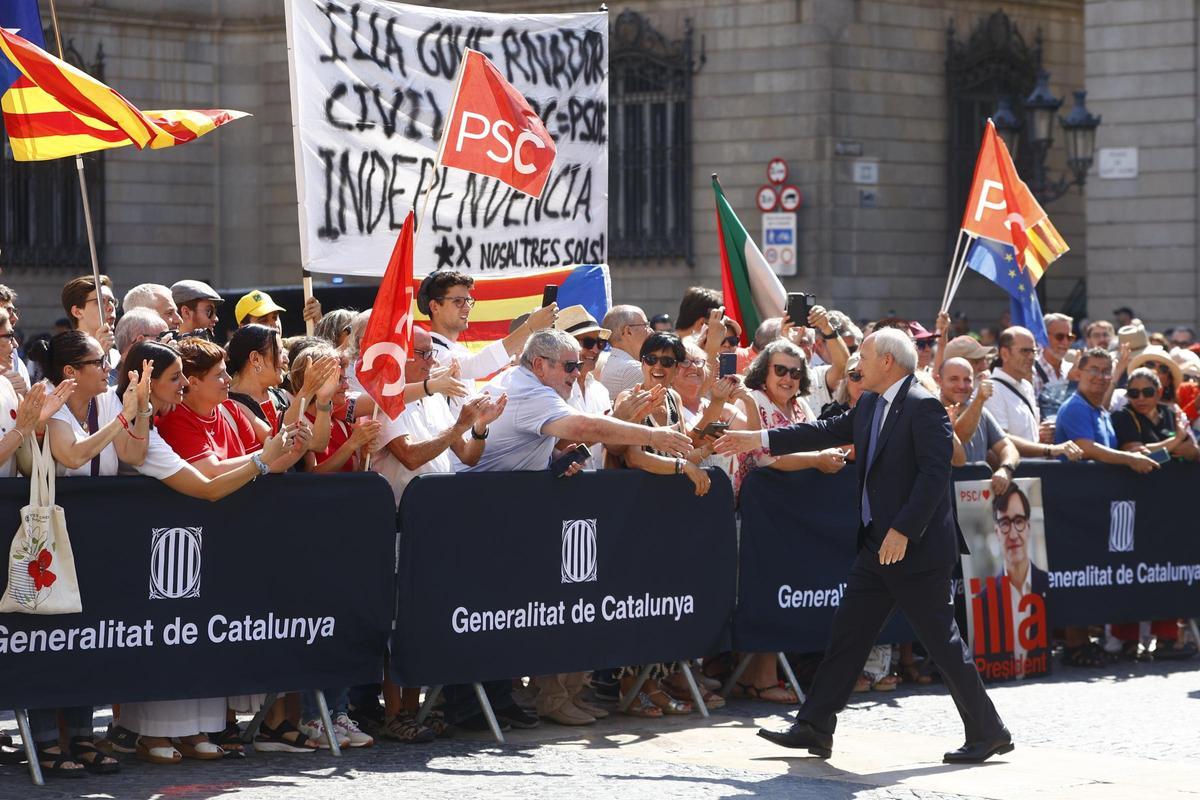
(790, 198)
(777, 170)
(767, 199)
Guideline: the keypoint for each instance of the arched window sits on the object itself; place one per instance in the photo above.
(41, 212)
(993, 64)
(650, 142)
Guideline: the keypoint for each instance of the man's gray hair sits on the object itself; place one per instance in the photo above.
(620, 316)
(549, 343)
(842, 324)
(143, 295)
(1057, 317)
(768, 331)
(135, 323)
(899, 345)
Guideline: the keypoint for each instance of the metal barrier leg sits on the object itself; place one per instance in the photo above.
(488, 714)
(327, 721)
(1195, 631)
(737, 673)
(697, 696)
(257, 721)
(35, 768)
(431, 697)
(791, 676)
(637, 687)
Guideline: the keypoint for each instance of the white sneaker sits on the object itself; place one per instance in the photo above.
(315, 729)
(346, 727)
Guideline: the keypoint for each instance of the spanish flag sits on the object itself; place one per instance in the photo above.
(53, 110)
(499, 299)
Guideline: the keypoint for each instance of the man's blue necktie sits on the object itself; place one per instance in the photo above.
(880, 405)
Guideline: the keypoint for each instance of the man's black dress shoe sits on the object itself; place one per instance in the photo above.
(802, 735)
(978, 752)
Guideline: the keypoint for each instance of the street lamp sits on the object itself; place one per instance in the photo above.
(1008, 127)
(1040, 108)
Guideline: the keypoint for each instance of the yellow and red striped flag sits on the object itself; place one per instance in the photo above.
(54, 110)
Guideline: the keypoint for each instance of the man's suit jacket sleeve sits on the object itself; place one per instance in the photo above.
(817, 435)
(933, 446)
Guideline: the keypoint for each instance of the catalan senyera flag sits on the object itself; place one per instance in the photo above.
(502, 298)
(750, 288)
(53, 110)
(1001, 208)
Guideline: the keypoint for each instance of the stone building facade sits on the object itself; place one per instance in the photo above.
(824, 84)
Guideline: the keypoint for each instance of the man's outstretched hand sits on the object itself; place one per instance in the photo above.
(734, 442)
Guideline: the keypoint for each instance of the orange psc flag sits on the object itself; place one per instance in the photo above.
(491, 130)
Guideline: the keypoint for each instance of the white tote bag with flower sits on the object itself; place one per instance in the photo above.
(41, 567)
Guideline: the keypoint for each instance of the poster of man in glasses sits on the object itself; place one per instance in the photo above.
(1004, 579)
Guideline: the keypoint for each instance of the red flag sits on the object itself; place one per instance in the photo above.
(388, 337)
(491, 130)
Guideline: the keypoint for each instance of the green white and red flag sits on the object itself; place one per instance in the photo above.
(751, 289)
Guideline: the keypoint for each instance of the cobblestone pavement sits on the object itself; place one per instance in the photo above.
(1141, 715)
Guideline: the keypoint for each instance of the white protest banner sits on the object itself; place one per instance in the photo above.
(372, 84)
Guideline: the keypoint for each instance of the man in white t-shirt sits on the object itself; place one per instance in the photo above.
(1013, 402)
(628, 328)
(420, 440)
(446, 297)
(835, 351)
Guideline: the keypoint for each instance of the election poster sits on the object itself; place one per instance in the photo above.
(372, 87)
(1005, 578)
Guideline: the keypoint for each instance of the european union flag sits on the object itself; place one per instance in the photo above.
(998, 263)
(23, 15)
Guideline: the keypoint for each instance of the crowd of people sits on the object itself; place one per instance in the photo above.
(153, 393)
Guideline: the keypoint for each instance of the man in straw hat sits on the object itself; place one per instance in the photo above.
(589, 394)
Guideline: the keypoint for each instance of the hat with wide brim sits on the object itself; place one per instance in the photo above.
(1134, 336)
(1157, 354)
(1188, 361)
(576, 321)
(968, 347)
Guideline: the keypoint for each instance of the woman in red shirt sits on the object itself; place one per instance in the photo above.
(346, 440)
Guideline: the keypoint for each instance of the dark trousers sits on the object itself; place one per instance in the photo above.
(873, 593)
(461, 703)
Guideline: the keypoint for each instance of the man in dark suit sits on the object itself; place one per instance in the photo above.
(908, 544)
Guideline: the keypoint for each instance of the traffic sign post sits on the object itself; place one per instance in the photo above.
(779, 242)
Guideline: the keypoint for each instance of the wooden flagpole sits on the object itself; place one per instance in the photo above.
(87, 206)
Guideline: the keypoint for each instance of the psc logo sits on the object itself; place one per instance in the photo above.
(485, 127)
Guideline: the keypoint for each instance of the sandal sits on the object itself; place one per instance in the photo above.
(199, 748)
(712, 700)
(57, 764)
(753, 692)
(668, 704)
(863, 684)
(1083, 655)
(403, 727)
(642, 707)
(437, 721)
(157, 755)
(911, 673)
(286, 738)
(887, 683)
(84, 750)
(229, 739)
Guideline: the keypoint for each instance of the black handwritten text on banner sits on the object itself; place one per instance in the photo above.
(372, 83)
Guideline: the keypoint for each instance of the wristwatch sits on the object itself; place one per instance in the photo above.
(829, 336)
(475, 435)
(257, 460)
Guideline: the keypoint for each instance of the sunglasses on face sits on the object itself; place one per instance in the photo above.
(1148, 392)
(855, 376)
(730, 341)
(782, 371)
(1163, 368)
(569, 366)
(667, 362)
(99, 362)
(589, 342)
(924, 344)
(459, 302)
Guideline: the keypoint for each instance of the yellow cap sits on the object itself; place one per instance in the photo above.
(255, 304)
